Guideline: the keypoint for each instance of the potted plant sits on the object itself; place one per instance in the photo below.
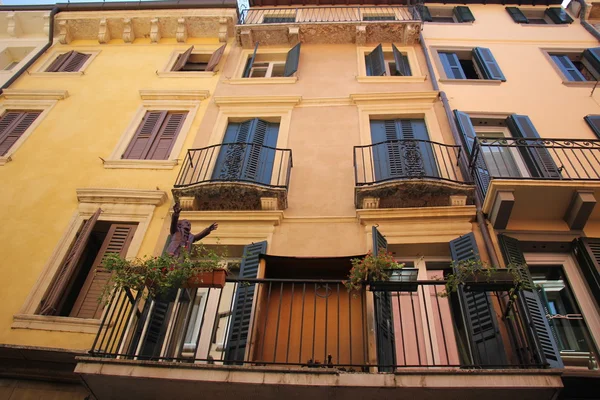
(477, 276)
(381, 272)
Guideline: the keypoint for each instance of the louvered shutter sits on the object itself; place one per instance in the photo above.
(375, 62)
(530, 306)
(425, 14)
(50, 304)
(418, 156)
(386, 154)
(401, 60)
(250, 63)
(182, 59)
(58, 62)
(237, 338)
(452, 66)
(292, 60)
(538, 159)
(567, 67)
(260, 154)
(517, 15)
(594, 122)
(480, 170)
(487, 64)
(230, 160)
(74, 62)
(117, 241)
(215, 58)
(13, 125)
(558, 15)
(482, 326)
(384, 321)
(591, 59)
(587, 251)
(463, 14)
(165, 139)
(142, 139)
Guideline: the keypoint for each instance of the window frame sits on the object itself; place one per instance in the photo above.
(445, 10)
(518, 159)
(409, 51)
(245, 54)
(443, 77)
(41, 70)
(165, 71)
(34, 48)
(548, 52)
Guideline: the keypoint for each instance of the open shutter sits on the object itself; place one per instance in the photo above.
(384, 322)
(452, 66)
(536, 156)
(12, 126)
(531, 308)
(487, 64)
(463, 14)
(292, 60)
(479, 168)
(74, 62)
(144, 136)
(182, 59)
(567, 67)
(250, 63)
(58, 62)
(592, 120)
(587, 251)
(425, 14)
(237, 338)
(375, 62)
(517, 15)
(215, 58)
(558, 15)
(52, 299)
(482, 327)
(402, 65)
(165, 139)
(117, 240)
(591, 60)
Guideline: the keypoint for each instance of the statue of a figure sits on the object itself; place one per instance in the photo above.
(181, 237)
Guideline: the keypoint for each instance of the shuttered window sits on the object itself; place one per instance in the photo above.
(594, 122)
(380, 63)
(155, 136)
(188, 61)
(479, 63)
(446, 14)
(259, 67)
(577, 66)
(13, 125)
(68, 62)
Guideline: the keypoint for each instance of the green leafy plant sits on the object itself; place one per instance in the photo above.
(371, 267)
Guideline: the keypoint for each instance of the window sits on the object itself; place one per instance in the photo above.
(10, 57)
(155, 136)
(594, 122)
(446, 15)
(549, 16)
(578, 66)
(13, 124)
(394, 63)
(198, 61)
(72, 61)
(478, 63)
(271, 65)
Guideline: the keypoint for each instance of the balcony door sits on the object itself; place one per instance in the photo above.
(501, 159)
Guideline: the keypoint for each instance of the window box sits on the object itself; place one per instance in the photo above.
(209, 279)
(400, 280)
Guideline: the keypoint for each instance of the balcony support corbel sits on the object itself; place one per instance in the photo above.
(580, 209)
(502, 208)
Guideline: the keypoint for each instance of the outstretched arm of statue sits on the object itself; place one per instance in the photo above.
(205, 232)
(175, 218)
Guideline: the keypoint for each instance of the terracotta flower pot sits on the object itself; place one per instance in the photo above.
(209, 279)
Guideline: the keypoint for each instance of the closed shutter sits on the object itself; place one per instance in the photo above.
(74, 62)
(384, 320)
(517, 15)
(558, 15)
(418, 155)
(482, 327)
(531, 307)
(463, 14)
(401, 60)
(182, 59)
(165, 139)
(538, 159)
(145, 134)
(56, 64)
(591, 60)
(594, 122)
(237, 338)
(250, 63)
(117, 241)
(425, 14)
(292, 60)
(387, 162)
(451, 65)
(13, 125)
(231, 156)
(479, 168)
(51, 301)
(215, 58)
(587, 251)
(375, 62)
(567, 67)
(487, 64)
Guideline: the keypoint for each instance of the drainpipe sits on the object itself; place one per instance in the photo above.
(588, 27)
(489, 247)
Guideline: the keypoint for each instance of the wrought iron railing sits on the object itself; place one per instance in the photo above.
(308, 323)
(406, 159)
(236, 162)
(541, 159)
(308, 15)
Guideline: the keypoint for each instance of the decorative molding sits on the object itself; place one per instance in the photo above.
(262, 81)
(128, 33)
(154, 30)
(290, 101)
(140, 164)
(223, 29)
(187, 203)
(245, 38)
(293, 35)
(64, 34)
(28, 94)
(152, 94)
(181, 34)
(369, 203)
(366, 98)
(411, 33)
(103, 32)
(361, 35)
(325, 102)
(52, 323)
(368, 216)
(268, 203)
(46, 19)
(272, 216)
(121, 196)
(14, 27)
(391, 79)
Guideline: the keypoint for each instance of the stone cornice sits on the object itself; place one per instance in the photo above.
(27, 25)
(290, 101)
(370, 98)
(121, 196)
(271, 217)
(27, 94)
(150, 94)
(366, 216)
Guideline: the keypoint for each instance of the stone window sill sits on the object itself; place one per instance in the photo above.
(472, 81)
(52, 323)
(47, 74)
(262, 81)
(586, 84)
(140, 164)
(390, 79)
(186, 74)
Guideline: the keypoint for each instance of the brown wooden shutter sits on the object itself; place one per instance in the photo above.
(145, 134)
(12, 126)
(50, 303)
(215, 58)
(59, 61)
(74, 62)
(163, 143)
(117, 240)
(182, 59)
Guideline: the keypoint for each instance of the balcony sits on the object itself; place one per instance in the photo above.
(267, 338)
(329, 25)
(234, 176)
(518, 176)
(409, 173)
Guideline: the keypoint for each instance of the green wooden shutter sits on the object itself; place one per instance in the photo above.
(487, 64)
(384, 320)
(531, 308)
(215, 58)
(517, 15)
(425, 14)
(558, 15)
(402, 65)
(594, 122)
(250, 63)
(587, 251)
(463, 14)
(375, 62)
(237, 338)
(591, 59)
(292, 60)
(451, 65)
(482, 330)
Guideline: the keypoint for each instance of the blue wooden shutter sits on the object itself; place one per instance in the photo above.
(558, 15)
(401, 60)
(425, 14)
(232, 154)
(482, 327)
(567, 67)
(531, 307)
(587, 251)
(417, 157)
(517, 15)
(292, 60)
(538, 159)
(591, 59)
(386, 151)
(487, 64)
(250, 63)
(237, 338)
(463, 14)
(375, 62)
(384, 320)
(480, 170)
(451, 65)
(594, 122)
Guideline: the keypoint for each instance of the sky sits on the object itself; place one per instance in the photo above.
(22, 2)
